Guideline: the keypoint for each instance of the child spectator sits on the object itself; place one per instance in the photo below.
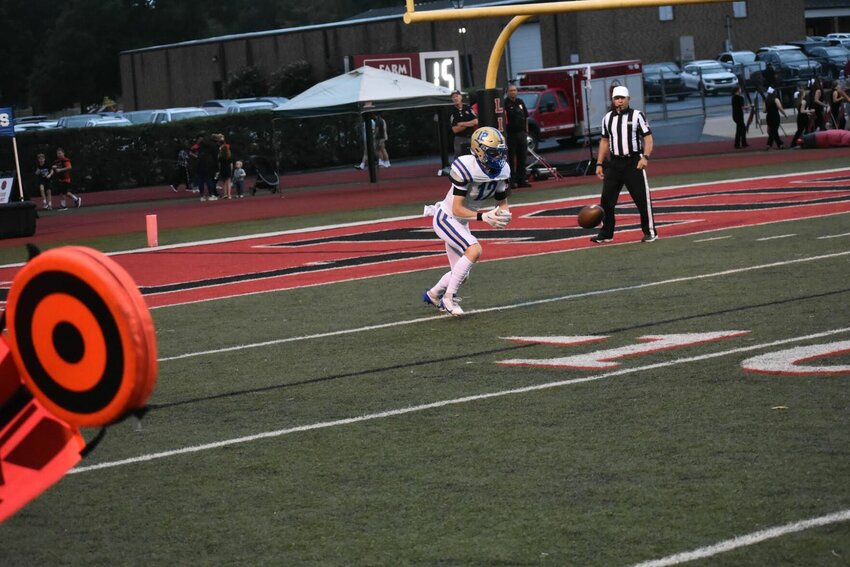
(43, 173)
(239, 179)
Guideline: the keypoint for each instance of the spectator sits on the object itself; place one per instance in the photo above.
(61, 178)
(381, 137)
(738, 107)
(181, 175)
(803, 113)
(773, 108)
(239, 179)
(206, 151)
(463, 122)
(816, 103)
(516, 128)
(365, 161)
(225, 165)
(43, 173)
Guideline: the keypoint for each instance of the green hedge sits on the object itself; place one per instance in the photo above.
(138, 156)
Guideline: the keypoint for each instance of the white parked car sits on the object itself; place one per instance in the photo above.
(165, 115)
(76, 120)
(108, 121)
(709, 76)
(139, 116)
(30, 126)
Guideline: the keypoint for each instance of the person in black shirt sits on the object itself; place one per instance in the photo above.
(516, 128)
(772, 109)
(738, 107)
(627, 138)
(463, 122)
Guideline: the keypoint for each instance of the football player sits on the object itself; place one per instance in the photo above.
(476, 179)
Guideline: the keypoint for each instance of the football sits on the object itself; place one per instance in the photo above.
(590, 216)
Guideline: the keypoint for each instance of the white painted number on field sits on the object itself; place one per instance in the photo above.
(603, 359)
(798, 361)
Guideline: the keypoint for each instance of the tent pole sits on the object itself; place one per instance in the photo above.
(18, 167)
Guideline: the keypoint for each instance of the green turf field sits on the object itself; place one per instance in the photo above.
(348, 424)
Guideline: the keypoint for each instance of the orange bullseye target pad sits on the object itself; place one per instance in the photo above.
(82, 336)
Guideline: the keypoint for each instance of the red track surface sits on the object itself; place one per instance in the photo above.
(344, 189)
(173, 275)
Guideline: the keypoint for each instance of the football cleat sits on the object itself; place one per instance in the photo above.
(450, 306)
(649, 238)
(599, 239)
(489, 148)
(430, 299)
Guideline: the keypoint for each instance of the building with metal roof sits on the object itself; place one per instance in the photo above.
(190, 72)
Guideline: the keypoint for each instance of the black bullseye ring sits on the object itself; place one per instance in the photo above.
(71, 338)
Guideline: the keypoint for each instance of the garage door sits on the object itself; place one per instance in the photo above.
(524, 49)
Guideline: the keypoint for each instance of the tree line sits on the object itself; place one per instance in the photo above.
(58, 55)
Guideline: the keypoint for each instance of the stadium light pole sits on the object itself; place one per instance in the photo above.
(467, 72)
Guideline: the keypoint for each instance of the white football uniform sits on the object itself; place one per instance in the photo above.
(477, 188)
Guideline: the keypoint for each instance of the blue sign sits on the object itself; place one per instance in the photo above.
(7, 122)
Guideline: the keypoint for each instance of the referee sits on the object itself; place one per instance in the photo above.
(628, 139)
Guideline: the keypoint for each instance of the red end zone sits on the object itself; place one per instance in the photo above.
(328, 255)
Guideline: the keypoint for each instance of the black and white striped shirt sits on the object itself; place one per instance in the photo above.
(625, 131)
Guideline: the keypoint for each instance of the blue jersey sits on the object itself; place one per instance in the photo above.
(474, 185)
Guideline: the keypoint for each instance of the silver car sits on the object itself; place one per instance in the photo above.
(709, 76)
(165, 115)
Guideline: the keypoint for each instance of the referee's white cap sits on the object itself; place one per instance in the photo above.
(620, 91)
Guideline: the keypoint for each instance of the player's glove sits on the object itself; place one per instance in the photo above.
(497, 218)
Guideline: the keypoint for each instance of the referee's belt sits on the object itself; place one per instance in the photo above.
(627, 156)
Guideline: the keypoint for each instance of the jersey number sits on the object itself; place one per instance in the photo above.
(486, 190)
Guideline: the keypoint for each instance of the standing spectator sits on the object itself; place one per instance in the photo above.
(516, 127)
(181, 176)
(381, 137)
(225, 165)
(837, 120)
(206, 166)
(463, 122)
(627, 137)
(43, 173)
(62, 180)
(773, 108)
(738, 108)
(239, 179)
(365, 161)
(803, 113)
(817, 104)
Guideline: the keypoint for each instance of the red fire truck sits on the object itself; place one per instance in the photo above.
(569, 102)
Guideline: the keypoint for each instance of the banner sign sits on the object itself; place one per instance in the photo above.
(7, 122)
(6, 189)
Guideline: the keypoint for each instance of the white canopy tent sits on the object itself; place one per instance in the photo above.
(362, 90)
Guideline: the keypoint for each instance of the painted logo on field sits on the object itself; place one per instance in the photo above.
(796, 361)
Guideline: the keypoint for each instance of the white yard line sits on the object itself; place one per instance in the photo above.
(444, 403)
(833, 236)
(774, 237)
(714, 238)
(747, 540)
(501, 307)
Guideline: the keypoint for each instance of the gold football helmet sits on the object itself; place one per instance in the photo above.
(489, 148)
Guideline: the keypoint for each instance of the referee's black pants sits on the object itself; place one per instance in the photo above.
(621, 171)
